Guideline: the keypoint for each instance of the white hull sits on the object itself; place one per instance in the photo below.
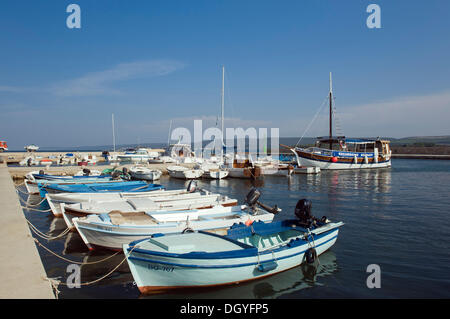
(328, 165)
(184, 173)
(215, 174)
(54, 200)
(163, 203)
(148, 175)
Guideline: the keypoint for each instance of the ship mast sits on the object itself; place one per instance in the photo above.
(223, 105)
(331, 112)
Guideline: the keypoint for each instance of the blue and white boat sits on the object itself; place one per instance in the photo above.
(32, 181)
(120, 186)
(202, 259)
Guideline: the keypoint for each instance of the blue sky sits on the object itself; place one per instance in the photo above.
(149, 62)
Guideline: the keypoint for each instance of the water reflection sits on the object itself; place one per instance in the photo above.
(274, 286)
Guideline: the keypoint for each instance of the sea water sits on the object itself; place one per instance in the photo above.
(396, 218)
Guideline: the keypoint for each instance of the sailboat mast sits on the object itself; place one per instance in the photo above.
(168, 138)
(331, 112)
(223, 106)
(113, 131)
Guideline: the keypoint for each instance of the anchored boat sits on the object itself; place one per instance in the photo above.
(338, 152)
(115, 229)
(246, 252)
(131, 186)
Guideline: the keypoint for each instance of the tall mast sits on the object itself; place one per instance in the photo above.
(223, 106)
(331, 112)
(168, 138)
(113, 131)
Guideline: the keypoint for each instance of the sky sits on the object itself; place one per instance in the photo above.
(152, 62)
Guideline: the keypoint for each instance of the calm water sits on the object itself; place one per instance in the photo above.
(397, 218)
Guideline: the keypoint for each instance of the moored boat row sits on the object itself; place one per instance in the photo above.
(201, 238)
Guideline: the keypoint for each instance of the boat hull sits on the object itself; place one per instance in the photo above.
(336, 162)
(113, 237)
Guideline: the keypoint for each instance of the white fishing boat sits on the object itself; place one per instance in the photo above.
(184, 172)
(213, 170)
(241, 166)
(162, 159)
(144, 173)
(115, 229)
(88, 172)
(338, 152)
(30, 161)
(31, 148)
(141, 155)
(243, 253)
(55, 200)
(160, 203)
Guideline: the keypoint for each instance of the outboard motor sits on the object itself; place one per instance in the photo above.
(252, 200)
(41, 172)
(303, 212)
(116, 174)
(86, 171)
(192, 186)
(124, 171)
(252, 197)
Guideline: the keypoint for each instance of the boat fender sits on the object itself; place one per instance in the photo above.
(334, 159)
(267, 266)
(187, 230)
(310, 255)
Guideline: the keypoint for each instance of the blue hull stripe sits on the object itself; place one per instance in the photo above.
(222, 266)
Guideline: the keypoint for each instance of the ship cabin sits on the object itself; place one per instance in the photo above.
(342, 144)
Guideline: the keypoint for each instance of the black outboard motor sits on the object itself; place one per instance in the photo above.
(116, 174)
(252, 200)
(41, 172)
(86, 172)
(192, 186)
(303, 212)
(252, 197)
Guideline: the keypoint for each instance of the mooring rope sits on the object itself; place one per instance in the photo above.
(55, 283)
(72, 261)
(28, 204)
(35, 209)
(20, 191)
(45, 236)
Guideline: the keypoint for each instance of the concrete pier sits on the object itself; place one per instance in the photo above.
(21, 271)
